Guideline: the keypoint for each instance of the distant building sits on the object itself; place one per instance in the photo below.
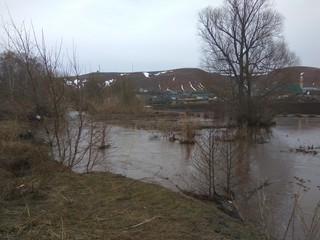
(293, 88)
(311, 91)
(308, 90)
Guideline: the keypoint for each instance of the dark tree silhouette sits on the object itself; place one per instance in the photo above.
(243, 40)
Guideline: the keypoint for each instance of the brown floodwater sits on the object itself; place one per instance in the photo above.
(148, 156)
(278, 162)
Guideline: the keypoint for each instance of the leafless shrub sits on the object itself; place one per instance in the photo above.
(72, 138)
(313, 231)
(204, 166)
(217, 164)
(121, 98)
(310, 229)
(296, 225)
(234, 162)
(188, 132)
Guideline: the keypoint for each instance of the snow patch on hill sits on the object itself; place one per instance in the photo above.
(76, 82)
(159, 73)
(201, 86)
(192, 86)
(108, 82)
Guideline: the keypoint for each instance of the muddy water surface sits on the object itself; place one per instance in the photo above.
(148, 156)
(278, 162)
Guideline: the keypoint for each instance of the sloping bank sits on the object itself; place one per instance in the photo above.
(40, 199)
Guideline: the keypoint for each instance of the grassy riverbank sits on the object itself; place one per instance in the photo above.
(40, 199)
(65, 205)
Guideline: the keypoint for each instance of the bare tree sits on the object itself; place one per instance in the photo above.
(218, 163)
(205, 162)
(74, 137)
(242, 40)
(234, 165)
(122, 98)
(22, 71)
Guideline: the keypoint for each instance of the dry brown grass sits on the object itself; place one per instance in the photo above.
(107, 206)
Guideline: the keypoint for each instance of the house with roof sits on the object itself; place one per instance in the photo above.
(308, 90)
(311, 91)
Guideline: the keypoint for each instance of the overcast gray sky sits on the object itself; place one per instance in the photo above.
(148, 34)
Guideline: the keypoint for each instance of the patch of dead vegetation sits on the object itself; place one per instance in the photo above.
(107, 206)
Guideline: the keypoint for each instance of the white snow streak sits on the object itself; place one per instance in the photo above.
(76, 82)
(108, 82)
(192, 86)
(182, 87)
(173, 79)
(157, 74)
(201, 86)
(146, 74)
(69, 83)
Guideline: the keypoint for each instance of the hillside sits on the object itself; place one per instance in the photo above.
(194, 79)
(182, 80)
(311, 76)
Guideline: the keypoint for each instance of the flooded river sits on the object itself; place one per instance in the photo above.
(280, 163)
(148, 156)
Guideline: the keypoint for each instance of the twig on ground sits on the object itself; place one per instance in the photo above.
(146, 221)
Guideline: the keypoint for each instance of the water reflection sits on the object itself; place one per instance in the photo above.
(279, 164)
